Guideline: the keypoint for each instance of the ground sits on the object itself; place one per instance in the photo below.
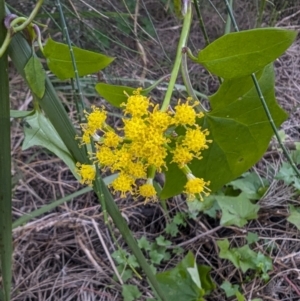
(64, 253)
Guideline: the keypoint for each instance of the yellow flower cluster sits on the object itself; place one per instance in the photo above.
(145, 140)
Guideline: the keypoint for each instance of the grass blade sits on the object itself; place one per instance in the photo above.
(27, 217)
(5, 169)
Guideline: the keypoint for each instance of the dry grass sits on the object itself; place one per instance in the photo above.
(65, 254)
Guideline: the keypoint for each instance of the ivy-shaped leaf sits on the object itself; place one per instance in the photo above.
(240, 131)
(60, 62)
(130, 292)
(241, 53)
(251, 184)
(242, 258)
(230, 290)
(236, 210)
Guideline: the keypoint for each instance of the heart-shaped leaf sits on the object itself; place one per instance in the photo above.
(60, 62)
(242, 53)
(240, 131)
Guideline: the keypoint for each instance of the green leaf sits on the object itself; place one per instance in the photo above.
(230, 290)
(243, 258)
(20, 114)
(143, 243)
(286, 173)
(240, 132)
(120, 256)
(156, 257)
(114, 94)
(60, 62)
(252, 237)
(250, 184)
(236, 210)
(194, 273)
(179, 219)
(172, 229)
(209, 206)
(40, 132)
(294, 217)
(132, 261)
(35, 76)
(263, 265)
(241, 53)
(183, 283)
(125, 274)
(130, 292)
(239, 296)
(161, 241)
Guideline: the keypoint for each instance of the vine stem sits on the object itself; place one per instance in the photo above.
(30, 18)
(182, 43)
(263, 102)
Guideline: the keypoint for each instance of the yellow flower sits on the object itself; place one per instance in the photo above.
(195, 139)
(137, 105)
(86, 137)
(123, 158)
(86, 172)
(144, 145)
(95, 119)
(105, 156)
(159, 120)
(181, 156)
(111, 139)
(123, 184)
(148, 191)
(196, 187)
(185, 113)
(134, 128)
(156, 156)
(137, 170)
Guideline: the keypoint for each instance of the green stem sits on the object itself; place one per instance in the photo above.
(30, 18)
(188, 84)
(264, 104)
(6, 248)
(201, 22)
(104, 195)
(5, 43)
(80, 105)
(182, 43)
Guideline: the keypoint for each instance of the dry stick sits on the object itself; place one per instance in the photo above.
(196, 238)
(263, 102)
(291, 284)
(107, 252)
(90, 256)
